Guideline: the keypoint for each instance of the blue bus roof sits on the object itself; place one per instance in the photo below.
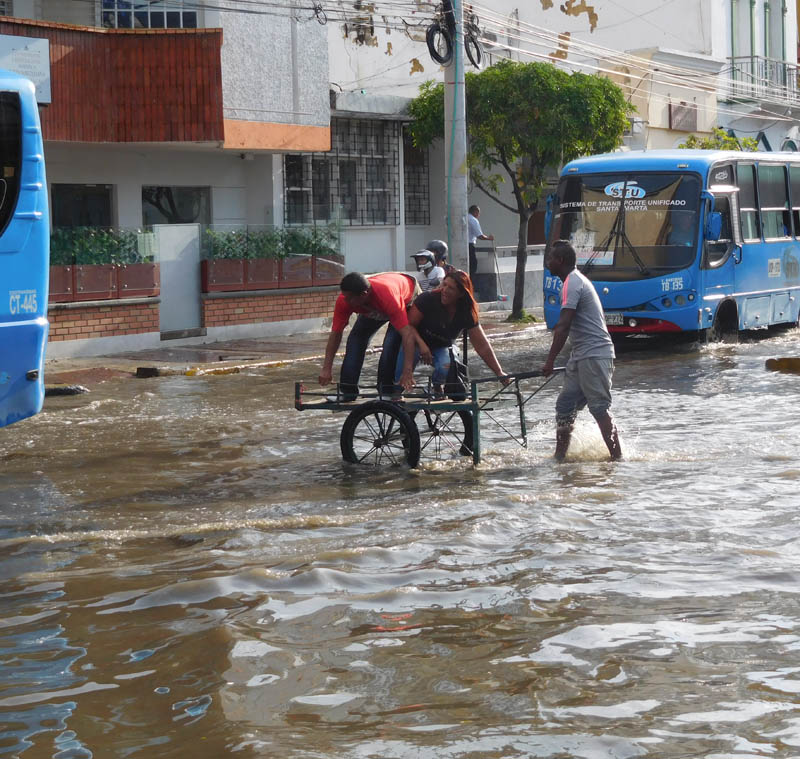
(666, 160)
(10, 80)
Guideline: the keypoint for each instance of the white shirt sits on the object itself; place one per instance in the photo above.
(430, 280)
(474, 229)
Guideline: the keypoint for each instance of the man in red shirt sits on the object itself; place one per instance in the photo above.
(376, 300)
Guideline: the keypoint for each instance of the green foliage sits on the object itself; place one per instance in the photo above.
(75, 246)
(272, 242)
(720, 140)
(526, 118)
(522, 318)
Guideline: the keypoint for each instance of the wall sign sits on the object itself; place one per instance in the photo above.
(30, 57)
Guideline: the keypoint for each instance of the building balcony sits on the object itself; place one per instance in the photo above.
(138, 85)
(755, 78)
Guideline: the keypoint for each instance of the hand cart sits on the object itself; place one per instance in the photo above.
(378, 431)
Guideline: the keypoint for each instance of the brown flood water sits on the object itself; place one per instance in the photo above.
(187, 568)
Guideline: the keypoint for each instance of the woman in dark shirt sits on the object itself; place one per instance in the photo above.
(439, 316)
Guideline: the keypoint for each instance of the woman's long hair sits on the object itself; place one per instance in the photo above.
(464, 283)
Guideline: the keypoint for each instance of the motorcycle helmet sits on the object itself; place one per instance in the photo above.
(439, 249)
(424, 259)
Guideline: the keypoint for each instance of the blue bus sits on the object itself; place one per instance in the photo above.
(678, 241)
(24, 251)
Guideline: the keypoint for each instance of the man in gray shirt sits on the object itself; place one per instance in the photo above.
(587, 380)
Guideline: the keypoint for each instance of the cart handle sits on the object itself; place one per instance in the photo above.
(518, 375)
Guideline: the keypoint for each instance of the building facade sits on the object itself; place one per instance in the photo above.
(167, 119)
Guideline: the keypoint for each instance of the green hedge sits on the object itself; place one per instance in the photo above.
(75, 246)
(275, 242)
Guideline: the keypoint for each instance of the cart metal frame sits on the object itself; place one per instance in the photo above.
(392, 430)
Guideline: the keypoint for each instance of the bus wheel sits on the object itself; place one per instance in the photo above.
(726, 325)
(379, 433)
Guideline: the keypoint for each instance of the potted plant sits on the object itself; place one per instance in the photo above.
(263, 262)
(222, 267)
(93, 263)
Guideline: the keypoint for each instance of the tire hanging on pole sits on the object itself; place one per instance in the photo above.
(474, 50)
(440, 43)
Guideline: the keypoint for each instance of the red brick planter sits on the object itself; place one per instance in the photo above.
(240, 275)
(262, 273)
(103, 282)
(62, 286)
(138, 280)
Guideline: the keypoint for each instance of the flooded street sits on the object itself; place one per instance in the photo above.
(188, 568)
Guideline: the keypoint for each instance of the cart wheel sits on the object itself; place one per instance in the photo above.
(379, 433)
(444, 434)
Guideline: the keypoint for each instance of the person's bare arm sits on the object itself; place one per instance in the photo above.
(334, 340)
(560, 335)
(409, 335)
(415, 319)
(484, 349)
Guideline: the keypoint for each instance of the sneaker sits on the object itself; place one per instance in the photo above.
(340, 398)
(395, 397)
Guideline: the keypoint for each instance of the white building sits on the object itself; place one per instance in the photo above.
(268, 115)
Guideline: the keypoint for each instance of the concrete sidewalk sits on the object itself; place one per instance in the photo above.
(226, 357)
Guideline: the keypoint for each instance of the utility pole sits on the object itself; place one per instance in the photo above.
(455, 140)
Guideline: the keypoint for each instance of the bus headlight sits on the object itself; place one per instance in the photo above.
(666, 302)
(551, 299)
(680, 300)
(632, 322)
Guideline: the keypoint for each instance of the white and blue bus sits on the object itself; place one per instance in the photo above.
(683, 240)
(24, 251)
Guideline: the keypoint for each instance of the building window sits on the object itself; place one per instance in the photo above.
(81, 205)
(416, 183)
(176, 205)
(6, 8)
(356, 184)
(149, 14)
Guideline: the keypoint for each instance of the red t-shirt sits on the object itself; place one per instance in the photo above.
(389, 297)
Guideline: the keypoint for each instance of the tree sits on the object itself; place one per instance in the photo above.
(720, 140)
(523, 119)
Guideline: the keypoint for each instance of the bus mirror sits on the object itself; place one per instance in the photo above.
(713, 230)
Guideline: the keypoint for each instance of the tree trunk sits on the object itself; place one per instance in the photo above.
(522, 261)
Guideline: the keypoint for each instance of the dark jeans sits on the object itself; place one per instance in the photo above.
(473, 262)
(357, 344)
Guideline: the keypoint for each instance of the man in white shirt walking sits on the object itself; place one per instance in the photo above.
(474, 233)
(587, 379)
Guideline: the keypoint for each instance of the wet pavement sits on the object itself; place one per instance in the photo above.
(188, 567)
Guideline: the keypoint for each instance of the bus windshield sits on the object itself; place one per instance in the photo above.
(629, 226)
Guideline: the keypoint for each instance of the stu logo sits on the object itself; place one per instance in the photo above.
(632, 190)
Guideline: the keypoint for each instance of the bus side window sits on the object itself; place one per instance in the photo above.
(794, 187)
(717, 250)
(11, 153)
(774, 201)
(748, 203)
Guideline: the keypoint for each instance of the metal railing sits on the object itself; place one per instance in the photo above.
(754, 77)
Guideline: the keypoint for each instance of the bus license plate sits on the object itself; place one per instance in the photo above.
(614, 318)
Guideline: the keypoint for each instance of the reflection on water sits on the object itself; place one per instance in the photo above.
(188, 568)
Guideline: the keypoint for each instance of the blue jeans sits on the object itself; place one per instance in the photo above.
(357, 344)
(441, 365)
